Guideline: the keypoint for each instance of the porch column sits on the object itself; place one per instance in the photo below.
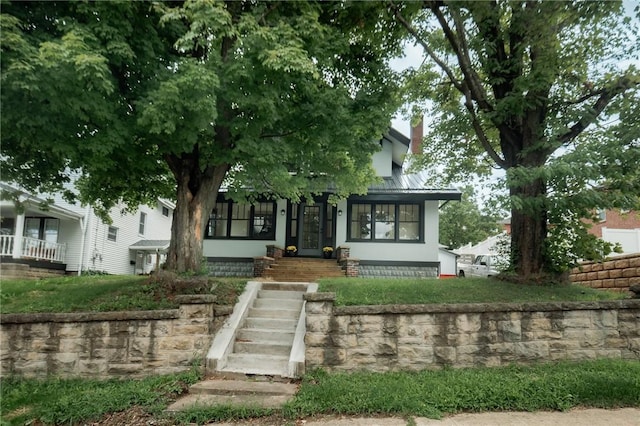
(18, 235)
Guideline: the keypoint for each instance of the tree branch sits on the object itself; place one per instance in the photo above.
(462, 87)
(432, 54)
(619, 86)
(471, 78)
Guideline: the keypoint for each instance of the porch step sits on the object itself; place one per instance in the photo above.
(254, 363)
(264, 340)
(294, 269)
(235, 392)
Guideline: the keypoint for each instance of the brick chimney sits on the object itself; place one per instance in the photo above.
(417, 133)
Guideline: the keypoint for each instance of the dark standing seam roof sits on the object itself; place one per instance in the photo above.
(410, 185)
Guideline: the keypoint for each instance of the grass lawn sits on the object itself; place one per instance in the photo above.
(102, 293)
(557, 386)
(358, 291)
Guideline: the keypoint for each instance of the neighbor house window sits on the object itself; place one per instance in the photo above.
(41, 228)
(112, 233)
(602, 215)
(143, 220)
(234, 220)
(385, 222)
(165, 211)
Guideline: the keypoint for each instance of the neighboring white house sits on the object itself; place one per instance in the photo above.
(73, 238)
(392, 230)
(487, 246)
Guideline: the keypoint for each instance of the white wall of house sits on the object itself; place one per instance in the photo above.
(629, 239)
(383, 160)
(407, 252)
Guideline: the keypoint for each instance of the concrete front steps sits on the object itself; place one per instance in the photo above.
(245, 392)
(265, 334)
(301, 269)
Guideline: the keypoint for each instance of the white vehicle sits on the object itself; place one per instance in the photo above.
(484, 265)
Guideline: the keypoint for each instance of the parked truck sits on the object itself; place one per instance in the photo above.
(484, 265)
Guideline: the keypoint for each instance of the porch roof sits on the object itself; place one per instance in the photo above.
(35, 204)
(150, 245)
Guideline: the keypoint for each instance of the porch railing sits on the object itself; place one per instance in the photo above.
(33, 248)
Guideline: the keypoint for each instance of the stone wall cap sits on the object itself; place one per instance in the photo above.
(195, 299)
(223, 310)
(31, 318)
(319, 297)
(486, 307)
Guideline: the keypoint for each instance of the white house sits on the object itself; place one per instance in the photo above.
(72, 238)
(391, 231)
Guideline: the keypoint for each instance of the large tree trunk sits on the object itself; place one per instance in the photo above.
(529, 231)
(196, 195)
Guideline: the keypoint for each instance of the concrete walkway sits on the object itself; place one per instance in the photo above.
(576, 417)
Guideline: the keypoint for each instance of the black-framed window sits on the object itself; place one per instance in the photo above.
(384, 221)
(234, 220)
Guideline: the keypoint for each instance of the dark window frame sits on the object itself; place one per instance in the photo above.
(115, 233)
(271, 235)
(396, 238)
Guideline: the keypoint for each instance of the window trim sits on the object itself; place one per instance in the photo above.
(250, 220)
(142, 223)
(397, 222)
(115, 234)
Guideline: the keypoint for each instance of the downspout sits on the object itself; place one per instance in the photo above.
(84, 225)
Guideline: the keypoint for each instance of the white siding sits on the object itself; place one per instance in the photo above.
(383, 160)
(629, 239)
(115, 257)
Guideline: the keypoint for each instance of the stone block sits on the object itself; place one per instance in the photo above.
(468, 323)
(615, 273)
(175, 344)
(531, 351)
(622, 282)
(631, 272)
(608, 283)
(445, 355)
(510, 331)
(634, 262)
(597, 267)
(602, 275)
(592, 276)
(318, 323)
(608, 265)
(622, 264)
(586, 267)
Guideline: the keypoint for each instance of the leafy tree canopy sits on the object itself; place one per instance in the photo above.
(465, 223)
(171, 99)
(547, 91)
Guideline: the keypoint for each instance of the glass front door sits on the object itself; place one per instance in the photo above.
(310, 229)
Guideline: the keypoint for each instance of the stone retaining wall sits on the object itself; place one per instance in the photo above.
(617, 274)
(110, 344)
(417, 337)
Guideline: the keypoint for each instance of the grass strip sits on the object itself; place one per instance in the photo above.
(557, 386)
(351, 292)
(560, 386)
(104, 293)
(75, 401)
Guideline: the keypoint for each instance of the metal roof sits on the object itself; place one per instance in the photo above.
(150, 245)
(411, 185)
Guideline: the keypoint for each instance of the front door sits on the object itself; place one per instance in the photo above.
(310, 229)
